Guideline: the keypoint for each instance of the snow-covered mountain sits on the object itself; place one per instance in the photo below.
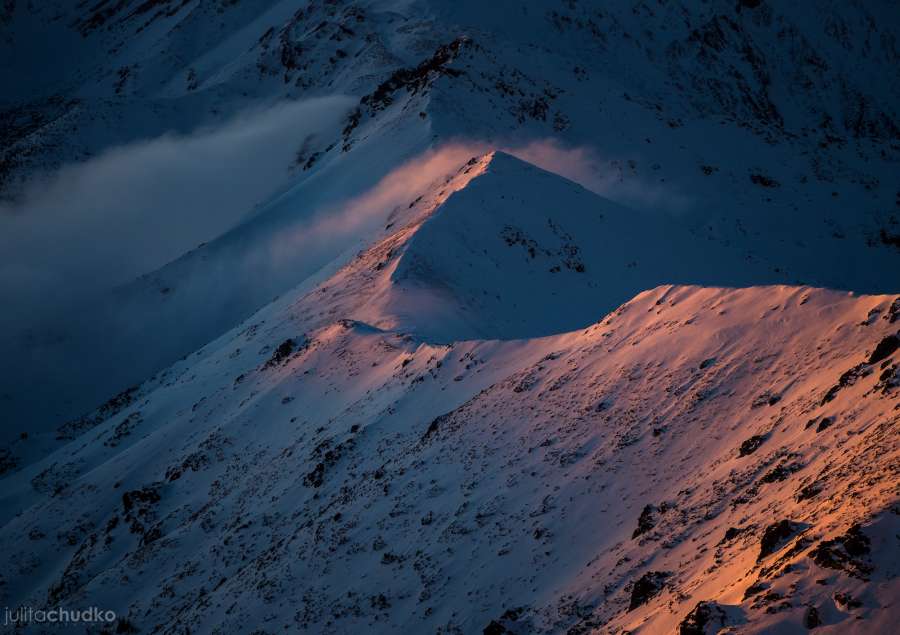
(768, 130)
(542, 317)
(726, 455)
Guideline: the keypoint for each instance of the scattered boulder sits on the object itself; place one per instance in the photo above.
(733, 532)
(434, 426)
(845, 553)
(776, 535)
(847, 378)
(281, 354)
(379, 602)
(647, 587)
(8, 461)
(646, 521)
(648, 518)
(780, 472)
(72, 429)
(893, 313)
(764, 181)
(705, 617)
(889, 378)
(506, 623)
(139, 507)
(812, 620)
(125, 626)
(124, 429)
(325, 455)
(847, 601)
(809, 491)
(140, 499)
(885, 349)
(755, 589)
(494, 628)
(193, 462)
(751, 445)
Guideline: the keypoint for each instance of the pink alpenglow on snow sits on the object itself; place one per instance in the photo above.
(450, 317)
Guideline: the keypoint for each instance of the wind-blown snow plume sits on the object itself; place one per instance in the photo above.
(149, 201)
(607, 176)
(585, 166)
(350, 219)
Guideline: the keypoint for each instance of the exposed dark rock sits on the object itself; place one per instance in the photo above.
(125, 626)
(123, 429)
(55, 479)
(495, 628)
(780, 472)
(889, 378)
(752, 444)
(140, 498)
(282, 352)
(885, 349)
(775, 535)
(845, 553)
(325, 457)
(194, 462)
(764, 181)
(893, 313)
(647, 587)
(433, 427)
(703, 615)
(8, 461)
(809, 491)
(847, 601)
(811, 620)
(379, 602)
(412, 80)
(755, 589)
(733, 532)
(646, 521)
(110, 408)
(139, 507)
(505, 623)
(847, 378)
(316, 477)
(887, 238)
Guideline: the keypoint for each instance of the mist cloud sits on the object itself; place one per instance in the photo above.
(99, 223)
(608, 177)
(138, 207)
(354, 218)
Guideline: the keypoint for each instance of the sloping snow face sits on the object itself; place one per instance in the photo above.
(699, 459)
(766, 130)
(424, 385)
(520, 252)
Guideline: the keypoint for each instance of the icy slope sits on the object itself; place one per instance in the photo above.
(307, 471)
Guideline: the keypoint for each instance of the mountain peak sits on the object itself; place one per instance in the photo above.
(518, 251)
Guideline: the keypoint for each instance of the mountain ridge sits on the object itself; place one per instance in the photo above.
(554, 317)
(370, 437)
